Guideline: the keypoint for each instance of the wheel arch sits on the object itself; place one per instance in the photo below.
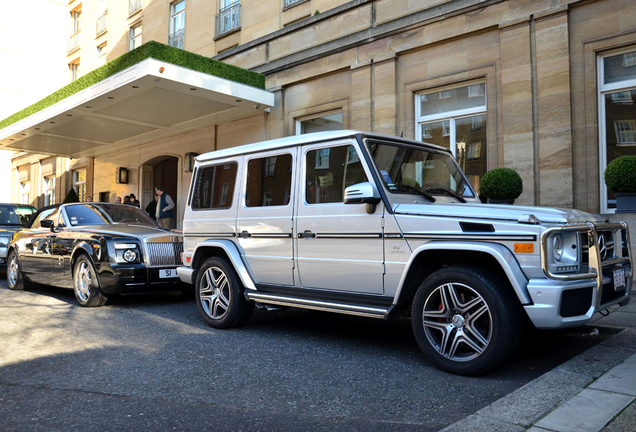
(224, 249)
(434, 255)
(81, 249)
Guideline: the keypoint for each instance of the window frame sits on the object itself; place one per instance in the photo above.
(48, 190)
(602, 90)
(268, 155)
(177, 16)
(132, 38)
(80, 185)
(222, 166)
(299, 121)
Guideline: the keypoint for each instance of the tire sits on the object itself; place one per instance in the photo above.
(466, 320)
(15, 279)
(219, 295)
(85, 284)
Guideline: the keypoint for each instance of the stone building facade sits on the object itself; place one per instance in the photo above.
(542, 86)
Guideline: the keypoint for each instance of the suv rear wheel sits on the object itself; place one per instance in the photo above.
(219, 295)
(466, 319)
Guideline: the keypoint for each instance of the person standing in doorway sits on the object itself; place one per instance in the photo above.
(165, 206)
(151, 208)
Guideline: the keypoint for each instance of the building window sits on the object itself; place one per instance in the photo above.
(25, 188)
(135, 36)
(229, 17)
(75, 70)
(101, 25)
(455, 118)
(177, 24)
(617, 113)
(135, 6)
(79, 184)
(324, 122)
(74, 40)
(322, 159)
(49, 190)
(288, 3)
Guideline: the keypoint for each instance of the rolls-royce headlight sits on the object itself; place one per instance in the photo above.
(130, 255)
(4, 241)
(557, 247)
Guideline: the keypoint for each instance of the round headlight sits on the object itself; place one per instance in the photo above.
(130, 255)
(557, 247)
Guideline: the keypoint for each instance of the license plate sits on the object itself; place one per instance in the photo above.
(619, 279)
(168, 273)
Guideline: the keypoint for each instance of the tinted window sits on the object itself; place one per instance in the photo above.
(269, 181)
(84, 215)
(214, 186)
(9, 216)
(330, 171)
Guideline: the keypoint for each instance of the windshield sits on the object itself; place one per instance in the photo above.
(84, 214)
(419, 171)
(15, 215)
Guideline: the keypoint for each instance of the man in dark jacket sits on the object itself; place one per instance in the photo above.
(165, 206)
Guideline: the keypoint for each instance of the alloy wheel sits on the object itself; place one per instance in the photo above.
(83, 281)
(215, 293)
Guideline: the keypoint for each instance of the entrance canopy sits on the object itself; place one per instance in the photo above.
(149, 100)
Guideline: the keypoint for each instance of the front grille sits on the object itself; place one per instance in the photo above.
(576, 302)
(164, 254)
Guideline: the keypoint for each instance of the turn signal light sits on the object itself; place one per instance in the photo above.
(524, 247)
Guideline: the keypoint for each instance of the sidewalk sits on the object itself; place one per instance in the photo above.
(595, 391)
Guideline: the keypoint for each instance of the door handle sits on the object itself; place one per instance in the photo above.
(245, 234)
(307, 234)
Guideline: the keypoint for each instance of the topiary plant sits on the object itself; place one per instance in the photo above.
(620, 174)
(71, 197)
(501, 184)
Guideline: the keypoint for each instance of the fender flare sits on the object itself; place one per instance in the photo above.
(233, 254)
(83, 246)
(502, 254)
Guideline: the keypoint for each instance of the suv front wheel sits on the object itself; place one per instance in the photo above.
(466, 319)
(219, 295)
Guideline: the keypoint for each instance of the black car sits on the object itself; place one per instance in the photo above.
(98, 249)
(12, 218)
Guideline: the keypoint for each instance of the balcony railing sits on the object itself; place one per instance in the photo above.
(134, 6)
(228, 19)
(101, 26)
(176, 39)
(73, 43)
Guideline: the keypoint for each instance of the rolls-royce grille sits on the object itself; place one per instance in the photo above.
(164, 254)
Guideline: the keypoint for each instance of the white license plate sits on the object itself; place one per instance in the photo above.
(619, 279)
(167, 273)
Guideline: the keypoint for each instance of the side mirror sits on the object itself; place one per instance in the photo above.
(47, 223)
(363, 193)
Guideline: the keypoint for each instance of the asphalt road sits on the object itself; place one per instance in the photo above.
(150, 363)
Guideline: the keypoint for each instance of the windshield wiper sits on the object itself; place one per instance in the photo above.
(426, 195)
(441, 190)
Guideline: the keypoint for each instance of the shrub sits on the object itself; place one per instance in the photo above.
(620, 175)
(501, 184)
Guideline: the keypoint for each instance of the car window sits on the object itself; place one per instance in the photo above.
(329, 171)
(24, 213)
(9, 216)
(85, 215)
(214, 187)
(119, 213)
(269, 181)
(44, 214)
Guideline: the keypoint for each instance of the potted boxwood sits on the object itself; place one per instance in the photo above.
(501, 186)
(620, 178)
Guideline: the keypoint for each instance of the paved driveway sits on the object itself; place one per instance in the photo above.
(149, 362)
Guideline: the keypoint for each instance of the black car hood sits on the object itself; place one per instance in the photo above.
(134, 230)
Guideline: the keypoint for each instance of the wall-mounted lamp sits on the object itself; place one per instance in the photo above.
(188, 161)
(121, 176)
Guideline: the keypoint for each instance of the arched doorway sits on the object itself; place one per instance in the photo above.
(160, 171)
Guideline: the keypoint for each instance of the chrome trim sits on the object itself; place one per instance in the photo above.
(126, 245)
(349, 309)
(351, 235)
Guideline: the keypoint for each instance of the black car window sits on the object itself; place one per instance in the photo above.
(24, 213)
(120, 213)
(8, 215)
(85, 215)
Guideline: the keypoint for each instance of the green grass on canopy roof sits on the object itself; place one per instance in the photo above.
(150, 49)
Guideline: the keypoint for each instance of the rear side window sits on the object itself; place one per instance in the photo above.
(269, 181)
(214, 187)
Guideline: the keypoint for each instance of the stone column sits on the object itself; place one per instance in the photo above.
(360, 116)
(384, 94)
(516, 105)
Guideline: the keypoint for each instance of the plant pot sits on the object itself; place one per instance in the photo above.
(625, 202)
(501, 201)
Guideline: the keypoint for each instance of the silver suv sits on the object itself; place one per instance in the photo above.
(382, 227)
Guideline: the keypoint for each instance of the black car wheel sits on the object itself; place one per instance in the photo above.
(219, 295)
(466, 320)
(86, 285)
(15, 279)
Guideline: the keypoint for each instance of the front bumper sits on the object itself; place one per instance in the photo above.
(187, 274)
(136, 278)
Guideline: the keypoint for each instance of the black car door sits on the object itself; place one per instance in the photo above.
(35, 253)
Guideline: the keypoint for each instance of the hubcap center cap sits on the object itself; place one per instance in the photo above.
(458, 321)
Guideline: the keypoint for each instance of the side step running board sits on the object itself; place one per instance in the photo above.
(343, 308)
